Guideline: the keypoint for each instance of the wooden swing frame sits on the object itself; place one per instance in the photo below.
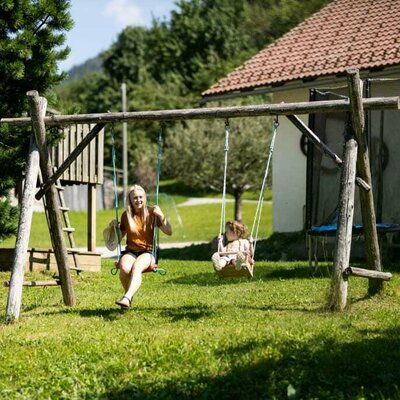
(356, 105)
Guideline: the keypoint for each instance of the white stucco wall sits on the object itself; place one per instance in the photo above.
(289, 169)
(289, 163)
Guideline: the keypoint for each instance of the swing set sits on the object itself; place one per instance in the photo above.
(355, 105)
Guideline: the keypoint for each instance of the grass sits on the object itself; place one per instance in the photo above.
(191, 335)
(199, 223)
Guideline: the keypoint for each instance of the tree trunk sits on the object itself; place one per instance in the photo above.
(238, 206)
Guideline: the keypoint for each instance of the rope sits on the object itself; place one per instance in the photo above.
(223, 204)
(158, 171)
(257, 216)
(114, 157)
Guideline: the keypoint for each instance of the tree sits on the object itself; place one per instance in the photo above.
(126, 58)
(267, 20)
(31, 44)
(169, 64)
(195, 153)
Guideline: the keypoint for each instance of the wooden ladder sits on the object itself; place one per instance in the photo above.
(68, 229)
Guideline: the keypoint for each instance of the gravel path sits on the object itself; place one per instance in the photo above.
(195, 201)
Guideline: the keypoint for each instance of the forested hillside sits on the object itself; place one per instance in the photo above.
(77, 72)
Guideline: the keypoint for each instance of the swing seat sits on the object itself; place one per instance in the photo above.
(151, 268)
(247, 268)
(229, 271)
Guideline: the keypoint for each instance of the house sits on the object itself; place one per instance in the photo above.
(363, 34)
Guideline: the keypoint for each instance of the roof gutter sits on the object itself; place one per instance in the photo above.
(299, 84)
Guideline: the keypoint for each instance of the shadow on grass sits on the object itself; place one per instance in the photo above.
(319, 368)
(262, 271)
(205, 279)
(192, 313)
(203, 252)
(108, 314)
(283, 273)
(194, 252)
(295, 307)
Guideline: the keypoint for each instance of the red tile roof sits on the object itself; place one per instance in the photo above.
(346, 33)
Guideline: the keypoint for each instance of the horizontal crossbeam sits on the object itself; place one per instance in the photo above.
(329, 106)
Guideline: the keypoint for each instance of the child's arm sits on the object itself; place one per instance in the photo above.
(221, 246)
(249, 251)
(247, 247)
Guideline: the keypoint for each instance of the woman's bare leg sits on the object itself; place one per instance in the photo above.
(125, 269)
(141, 264)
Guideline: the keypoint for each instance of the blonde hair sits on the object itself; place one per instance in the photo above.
(130, 210)
(238, 228)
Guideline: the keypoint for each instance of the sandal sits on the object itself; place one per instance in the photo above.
(124, 302)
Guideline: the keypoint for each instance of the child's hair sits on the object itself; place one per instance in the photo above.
(238, 228)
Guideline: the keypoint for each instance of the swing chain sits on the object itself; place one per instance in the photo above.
(155, 226)
(275, 127)
(114, 270)
(257, 217)
(223, 203)
(227, 128)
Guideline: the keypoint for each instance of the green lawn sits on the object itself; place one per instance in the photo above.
(191, 335)
(199, 223)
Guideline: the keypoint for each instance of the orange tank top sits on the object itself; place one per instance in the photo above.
(139, 239)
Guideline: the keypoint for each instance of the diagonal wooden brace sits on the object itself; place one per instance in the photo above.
(321, 146)
(70, 159)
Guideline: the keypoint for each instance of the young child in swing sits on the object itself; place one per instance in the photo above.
(137, 223)
(238, 245)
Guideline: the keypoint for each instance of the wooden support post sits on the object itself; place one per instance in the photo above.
(338, 290)
(55, 226)
(91, 221)
(364, 171)
(14, 299)
(37, 283)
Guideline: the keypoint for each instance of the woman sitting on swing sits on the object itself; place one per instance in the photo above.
(138, 224)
